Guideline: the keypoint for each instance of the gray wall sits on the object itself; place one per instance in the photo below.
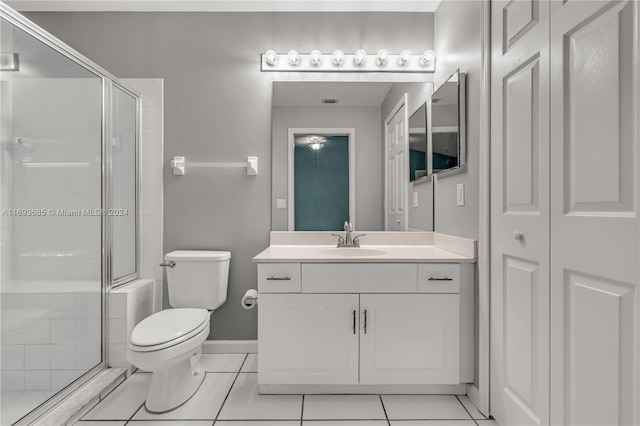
(218, 108)
(458, 45)
(458, 35)
(369, 173)
(417, 93)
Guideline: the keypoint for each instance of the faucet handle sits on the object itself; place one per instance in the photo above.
(356, 239)
(340, 238)
(346, 225)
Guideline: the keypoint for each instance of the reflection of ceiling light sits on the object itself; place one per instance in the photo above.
(316, 143)
(9, 62)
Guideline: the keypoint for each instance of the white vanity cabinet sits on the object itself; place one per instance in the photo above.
(364, 324)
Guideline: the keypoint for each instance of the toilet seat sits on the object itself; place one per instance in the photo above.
(168, 328)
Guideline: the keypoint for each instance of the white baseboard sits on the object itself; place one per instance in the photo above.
(230, 347)
(364, 389)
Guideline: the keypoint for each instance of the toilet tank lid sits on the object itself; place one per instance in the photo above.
(197, 255)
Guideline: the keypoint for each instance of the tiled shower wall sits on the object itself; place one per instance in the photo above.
(51, 291)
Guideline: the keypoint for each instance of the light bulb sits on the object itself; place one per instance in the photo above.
(315, 57)
(382, 57)
(294, 58)
(427, 58)
(360, 58)
(338, 57)
(271, 57)
(404, 58)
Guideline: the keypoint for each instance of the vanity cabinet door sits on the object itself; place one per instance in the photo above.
(410, 339)
(308, 339)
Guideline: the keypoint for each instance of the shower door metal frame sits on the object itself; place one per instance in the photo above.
(114, 282)
(107, 81)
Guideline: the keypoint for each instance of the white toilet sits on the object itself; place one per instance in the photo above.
(169, 343)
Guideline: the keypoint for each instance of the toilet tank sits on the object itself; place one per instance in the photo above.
(199, 278)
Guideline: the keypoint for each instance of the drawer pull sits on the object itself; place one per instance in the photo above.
(278, 279)
(440, 279)
(365, 321)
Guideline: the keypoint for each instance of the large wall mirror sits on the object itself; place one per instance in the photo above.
(328, 155)
(448, 137)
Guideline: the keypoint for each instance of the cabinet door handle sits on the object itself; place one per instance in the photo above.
(278, 279)
(354, 321)
(440, 279)
(365, 321)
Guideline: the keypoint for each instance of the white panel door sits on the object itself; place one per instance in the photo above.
(595, 243)
(397, 171)
(520, 212)
(308, 338)
(410, 339)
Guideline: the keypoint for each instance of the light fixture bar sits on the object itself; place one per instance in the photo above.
(357, 62)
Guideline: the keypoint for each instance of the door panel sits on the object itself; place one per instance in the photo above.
(520, 213)
(410, 339)
(308, 338)
(595, 229)
(396, 127)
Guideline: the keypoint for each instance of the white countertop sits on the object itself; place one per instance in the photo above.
(393, 254)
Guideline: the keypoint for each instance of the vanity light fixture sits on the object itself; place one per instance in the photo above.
(294, 58)
(427, 58)
(405, 58)
(338, 58)
(360, 58)
(271, 57)
(315, 58)
(382, 57)
(338, 61)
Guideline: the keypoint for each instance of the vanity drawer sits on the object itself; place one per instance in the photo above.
(359, 277)
(439, 278)
(279, 278)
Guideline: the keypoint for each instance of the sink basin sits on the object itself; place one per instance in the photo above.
(353, 252)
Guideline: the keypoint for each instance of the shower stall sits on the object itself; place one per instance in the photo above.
(68, 204)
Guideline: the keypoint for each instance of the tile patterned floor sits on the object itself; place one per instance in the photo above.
(229, 397)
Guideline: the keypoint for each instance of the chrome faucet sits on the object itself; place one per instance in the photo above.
(348, 240)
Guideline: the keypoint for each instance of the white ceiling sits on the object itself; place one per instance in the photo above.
(227, 5)
(312, 93)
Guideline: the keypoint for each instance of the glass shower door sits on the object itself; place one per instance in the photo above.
(51, 222)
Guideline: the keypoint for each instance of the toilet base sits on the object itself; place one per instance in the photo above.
(173, 386)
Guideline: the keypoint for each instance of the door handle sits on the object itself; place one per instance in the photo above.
(518, 236)
(365, 321)
(354, 321)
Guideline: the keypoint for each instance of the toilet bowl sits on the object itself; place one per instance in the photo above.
(169, 343)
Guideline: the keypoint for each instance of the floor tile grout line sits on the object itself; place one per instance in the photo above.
(135, 412)
(230, 388)
(384, 410)
(302, 410)
(465, 409)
